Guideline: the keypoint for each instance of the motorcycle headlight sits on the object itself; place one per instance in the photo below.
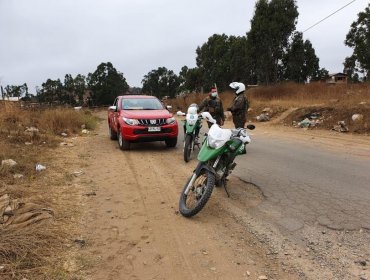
(191, 118)
(170, 120)
(191, 122)
(130, 121)
(215, 143)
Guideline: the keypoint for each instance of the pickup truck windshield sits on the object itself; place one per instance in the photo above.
(141, 104)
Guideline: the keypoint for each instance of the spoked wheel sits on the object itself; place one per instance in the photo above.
(188, 147)
(199, 193)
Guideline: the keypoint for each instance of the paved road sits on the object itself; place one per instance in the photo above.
(306, 184)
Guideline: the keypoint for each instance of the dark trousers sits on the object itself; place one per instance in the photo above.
(239, 121)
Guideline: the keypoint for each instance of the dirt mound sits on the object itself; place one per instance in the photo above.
(328, 117)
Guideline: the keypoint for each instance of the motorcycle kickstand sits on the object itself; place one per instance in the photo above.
(224, 183)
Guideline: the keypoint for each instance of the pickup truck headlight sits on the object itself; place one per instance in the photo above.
(170, 120)
(130, 121)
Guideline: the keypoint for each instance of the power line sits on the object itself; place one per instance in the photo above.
(329, 16)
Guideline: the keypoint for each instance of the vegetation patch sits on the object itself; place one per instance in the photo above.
(36, 207)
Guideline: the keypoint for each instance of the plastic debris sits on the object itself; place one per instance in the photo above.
(40, 167)
(306, 123)
(78, 173)
(341, 127)
(264, 117)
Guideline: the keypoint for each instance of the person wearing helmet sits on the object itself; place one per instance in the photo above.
(240, 105)
(213, 105)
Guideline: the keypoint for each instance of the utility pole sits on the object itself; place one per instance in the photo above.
(2, 92)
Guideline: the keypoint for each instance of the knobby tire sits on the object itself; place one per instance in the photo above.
(186, 212)
(187, 147)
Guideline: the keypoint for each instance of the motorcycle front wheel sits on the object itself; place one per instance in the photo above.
(201, 190)
(188, 145)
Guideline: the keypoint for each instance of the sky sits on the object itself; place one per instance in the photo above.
(41, 39)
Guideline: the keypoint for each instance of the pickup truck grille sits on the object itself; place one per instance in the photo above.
(152, 122)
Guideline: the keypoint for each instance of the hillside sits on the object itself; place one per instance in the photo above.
(324, 105)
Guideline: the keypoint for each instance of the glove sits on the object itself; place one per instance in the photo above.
(246, 139)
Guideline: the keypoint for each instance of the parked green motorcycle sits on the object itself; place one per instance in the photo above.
(216, 162)
(192, 126)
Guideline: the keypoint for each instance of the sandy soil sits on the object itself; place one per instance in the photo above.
(133, 230)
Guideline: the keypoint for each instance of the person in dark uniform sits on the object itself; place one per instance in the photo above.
(240, 105)
(213, 105)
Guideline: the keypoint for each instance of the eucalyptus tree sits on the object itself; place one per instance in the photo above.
(271, 27)
(106, 83)
(161, 82)
(358, 38)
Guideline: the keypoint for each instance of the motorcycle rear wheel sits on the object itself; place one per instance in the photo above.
(200, 192)
(188, 147)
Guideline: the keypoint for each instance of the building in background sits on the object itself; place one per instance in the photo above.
(337, 78)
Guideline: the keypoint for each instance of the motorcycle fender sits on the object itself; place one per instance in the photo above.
(206, 153)
(201, 166)
(189, 128)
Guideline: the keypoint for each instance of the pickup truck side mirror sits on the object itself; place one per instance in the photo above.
(113, 108)
(169, 108)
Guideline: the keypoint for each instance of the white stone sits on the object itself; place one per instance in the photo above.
(357, 117)
(8, 162)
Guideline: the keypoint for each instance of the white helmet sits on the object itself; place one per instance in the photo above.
(238, 87)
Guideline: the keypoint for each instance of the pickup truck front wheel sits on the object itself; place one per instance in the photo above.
(112, 134)
(171, 142)
(122, 143)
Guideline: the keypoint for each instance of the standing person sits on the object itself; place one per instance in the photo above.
(240, 105)
(213, 105)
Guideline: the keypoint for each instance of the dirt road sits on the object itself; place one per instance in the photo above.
(133, 230)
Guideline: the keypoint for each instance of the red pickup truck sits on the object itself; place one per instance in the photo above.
(141, 118)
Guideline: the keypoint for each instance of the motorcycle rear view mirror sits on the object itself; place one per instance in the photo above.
(251, 126)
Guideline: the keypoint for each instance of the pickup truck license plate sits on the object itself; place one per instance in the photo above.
(154, 128)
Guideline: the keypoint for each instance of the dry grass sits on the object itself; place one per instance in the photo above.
(50, 122)
(24, 252)
(296, 95)
(34, 252)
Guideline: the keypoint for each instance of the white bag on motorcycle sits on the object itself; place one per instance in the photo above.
(217, 136)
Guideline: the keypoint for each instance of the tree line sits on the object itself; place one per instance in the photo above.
(271, 52)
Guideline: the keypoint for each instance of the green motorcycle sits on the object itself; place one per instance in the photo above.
(192, 126)
(216, 162)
